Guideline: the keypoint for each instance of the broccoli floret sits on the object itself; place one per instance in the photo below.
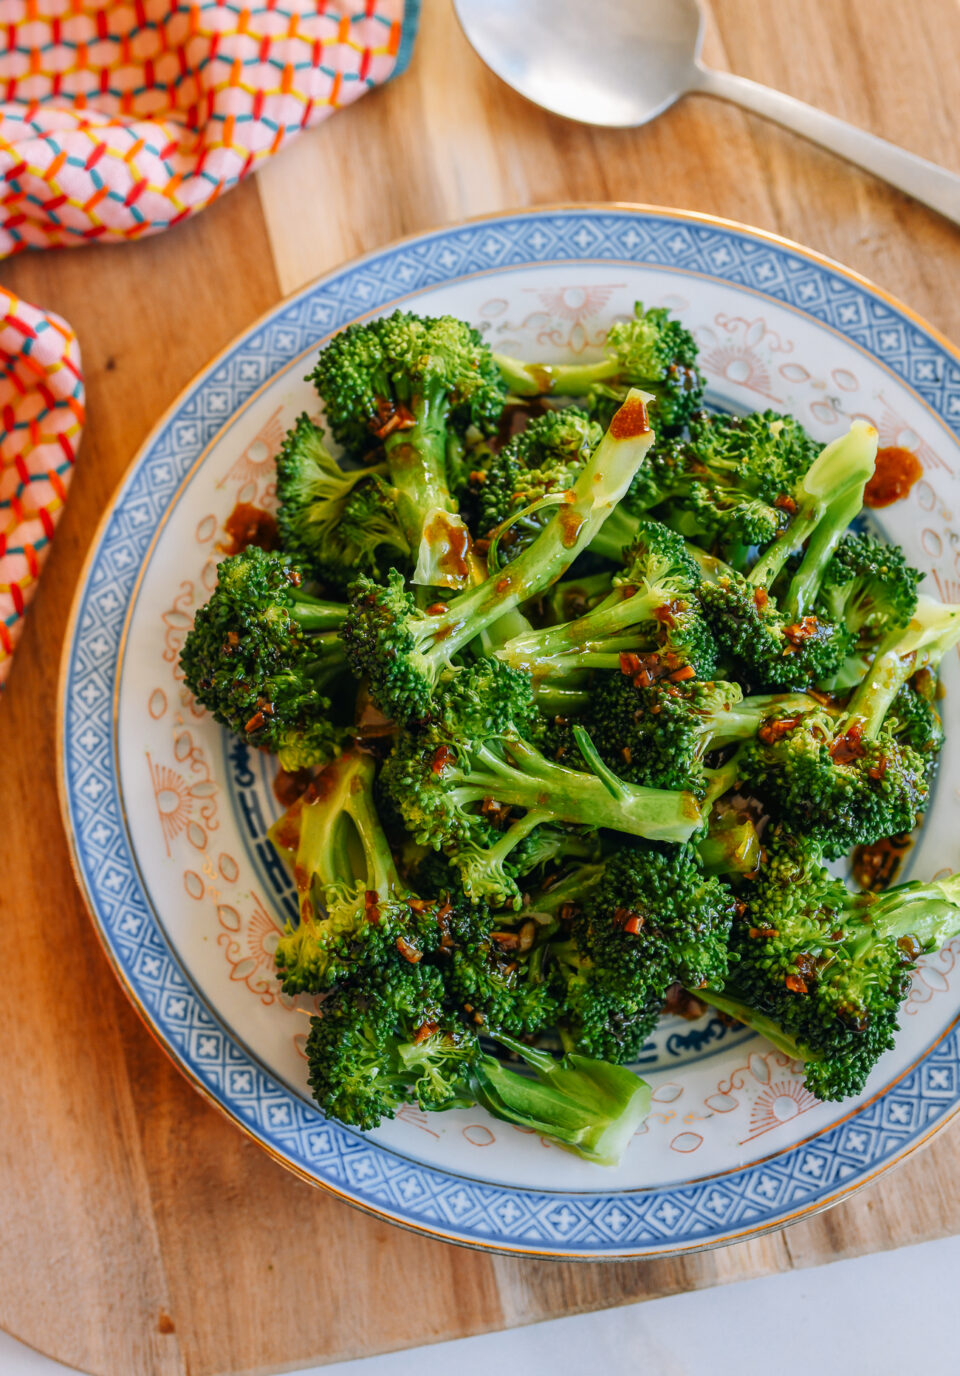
(764, 454)
(466, 768)
(852, 779)
(767, 648)
(652, 350)
(731, 485)
(260, 655)
(335, 522)
(823, 971)
(496, 978)
(869, 587)
(543, 460)
(780, 641)
(356, 915)
(834, 785)
(912, 718)
(653, 607)
(658, 734)
(412, 382)
(374, 1047)
(372, 1050)
(654, 918)
(404, 650)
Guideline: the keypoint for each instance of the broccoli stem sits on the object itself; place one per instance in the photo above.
(572, 889)
(731, 845)
(529, 780)
(331, 660)
(602, 482)
(481, 864)
(556, 699)
(333, 839)
(563, 379)
(591, 1107)
(742, 721)
(928, 911)
(315, 614)
(548, 651)
(416, 457)
(935, 627)
(829, 497)
(720, 781)
(618, 530)
(728, 1003)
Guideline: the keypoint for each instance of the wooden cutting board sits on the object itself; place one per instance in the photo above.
(140, 1232)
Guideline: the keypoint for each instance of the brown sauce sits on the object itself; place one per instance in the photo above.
(517, 417)
(683, 1004)
(571, 524)
(876, 867)
(250, 525)
(286, 833)
(543, 377)
(630, 421)
(849, 747)
(452, 539)
(288, 787)
(895, 474)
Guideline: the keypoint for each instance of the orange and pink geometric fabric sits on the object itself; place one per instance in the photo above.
(119, 119)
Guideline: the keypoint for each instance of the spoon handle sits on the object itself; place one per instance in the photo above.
(925, 181)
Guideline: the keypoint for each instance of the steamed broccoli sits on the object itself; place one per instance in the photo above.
(652, 350)
(407, 982)
(404, 650)
(411, 382)
(589, 1106)
(548, 779)
(658, 734)
(261, 655)
(822, 971)
(913, 718)
(850, 779)
(780, 640)
(730, 485)
(869, 587)
(370, 1052)
(495, 976)
(376, 1046)
(543, 461)
(335, 522)
(373, 1048)
(356, 915)
(653, 607)
(469, 768)
(653, 918)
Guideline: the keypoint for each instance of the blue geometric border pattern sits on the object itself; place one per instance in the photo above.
(594, 1224)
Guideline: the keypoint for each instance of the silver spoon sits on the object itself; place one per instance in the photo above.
(623, 62)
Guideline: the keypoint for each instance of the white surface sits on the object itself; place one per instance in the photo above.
(891, 1314)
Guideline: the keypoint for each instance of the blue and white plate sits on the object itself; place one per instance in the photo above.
(167, 816)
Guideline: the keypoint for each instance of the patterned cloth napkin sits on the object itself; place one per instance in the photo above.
(119, 118)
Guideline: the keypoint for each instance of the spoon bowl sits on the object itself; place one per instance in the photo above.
(608, 63)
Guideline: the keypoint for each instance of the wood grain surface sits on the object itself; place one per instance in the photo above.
(141, 1234)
